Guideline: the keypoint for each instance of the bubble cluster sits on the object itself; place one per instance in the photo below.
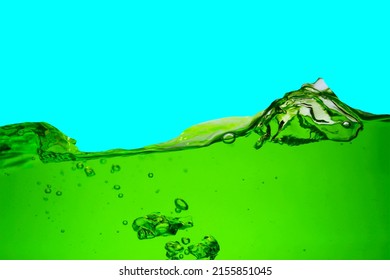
(208, 248)
(156, 224)
(174, 248)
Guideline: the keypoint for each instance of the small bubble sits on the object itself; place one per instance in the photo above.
(80, 165)
(346, 124)
(120, 195)
(103, 161)
(229, 138)
(125, 222)
(186, 251)
(62, 231)
(47, 190)
(181, 204)
(181, 256)
(115, 168)
(185, 240)
(177, 210)
(59, 193)
(117, 187)
(150, 175)
(89, 171)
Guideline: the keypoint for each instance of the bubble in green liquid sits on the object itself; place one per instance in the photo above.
(117, 187)
(115, 168)
(156, 224)
(208, 248)
(150, 175)
(125, 222)
(229, 138)
(120, 195)
(173, 248)
(103, 161)
(180, 204)
(80, 165)
(185, 240)
(59, 193)
(89, 171)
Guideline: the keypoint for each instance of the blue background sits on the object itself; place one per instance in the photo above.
(119, 74)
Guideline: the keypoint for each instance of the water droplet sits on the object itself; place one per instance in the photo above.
(103, 161)
(185, 240)
(115, 168)
(229, 138)
(59, 193)
(120, 195)
(150, 175)
(177, 210)
(80, 165)
(346, 124)
(125, 222)
(47, 190)
(117, 187)
(181, 204)
(89, 171)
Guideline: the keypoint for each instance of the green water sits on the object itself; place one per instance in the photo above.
(307, 178)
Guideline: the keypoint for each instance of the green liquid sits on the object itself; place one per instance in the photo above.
(320, 195)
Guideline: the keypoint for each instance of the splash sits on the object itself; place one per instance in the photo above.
(311, 114)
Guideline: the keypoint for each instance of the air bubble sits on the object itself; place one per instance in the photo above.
(115, 168)
(47, 190)
(103, 161)
(80, 165)
(150, 175)
(117, 187)
(185, 240)
(120, 195)
(89, 171)
(59, 193)
(178, 210)
(181, 204)
(229, 138)
(125, 222)
(346, 124)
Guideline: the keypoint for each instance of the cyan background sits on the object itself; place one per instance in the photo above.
(123, 74)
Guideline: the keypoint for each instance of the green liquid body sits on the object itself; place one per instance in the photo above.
(299, 200)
